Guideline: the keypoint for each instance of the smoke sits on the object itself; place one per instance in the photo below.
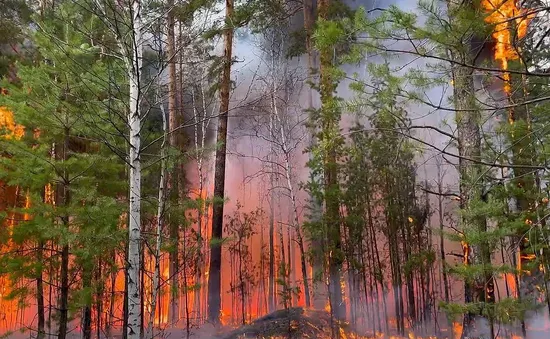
(247, 181)
(244, 182)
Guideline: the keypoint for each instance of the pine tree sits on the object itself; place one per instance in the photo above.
(214, 282)
(61, 165)
(324, 183)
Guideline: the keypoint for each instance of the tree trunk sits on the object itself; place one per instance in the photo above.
(40, 292)
(283, 270)
(409, 275)
(271, 294)
(87, 311)
(125, 303)
(64, 294)
(272, 287)
(112, 294)
(330, 120)
(317, 262)
(161, 201)
(295, 215)
(523, 153)
(214, 284)
(481, 290)
(173, 123)
(62, 200)
(441, 235)
(134, 219)
(99, 299)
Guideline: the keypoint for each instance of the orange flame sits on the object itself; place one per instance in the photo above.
(457, 330)
(7, 122)
(510, 23)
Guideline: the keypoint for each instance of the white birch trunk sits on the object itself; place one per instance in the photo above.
(134, 222)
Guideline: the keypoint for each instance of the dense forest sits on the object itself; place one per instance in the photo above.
(362, 169)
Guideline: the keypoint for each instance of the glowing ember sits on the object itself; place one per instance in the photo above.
(327, 306)
(465, 251)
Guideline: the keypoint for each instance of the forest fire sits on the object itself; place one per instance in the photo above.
(10, 312)
(169, 192)
(510, 25)
(7, 122)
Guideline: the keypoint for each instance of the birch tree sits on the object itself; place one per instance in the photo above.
(131, 47)
(134, 62)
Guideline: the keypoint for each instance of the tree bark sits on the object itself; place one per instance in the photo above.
(214, 283)
(62, 200)
(523, 153)
(481, 290)
(40, 293)
(174, 142)
(135, 63)
(64, 294)
(441, 234)
(161, 200)
(87, 311)
(271, 285)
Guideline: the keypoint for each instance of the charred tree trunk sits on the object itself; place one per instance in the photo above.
(214, 284)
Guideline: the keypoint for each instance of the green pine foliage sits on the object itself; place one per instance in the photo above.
(69, 176)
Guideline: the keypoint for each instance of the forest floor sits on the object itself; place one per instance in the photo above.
(289, 324)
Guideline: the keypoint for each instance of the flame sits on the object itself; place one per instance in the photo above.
(466, 252)
(49, 194)
(327, 306)
(510, 23)
(225, 317)
(511, 280)
(7, 122)
(457, 330)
